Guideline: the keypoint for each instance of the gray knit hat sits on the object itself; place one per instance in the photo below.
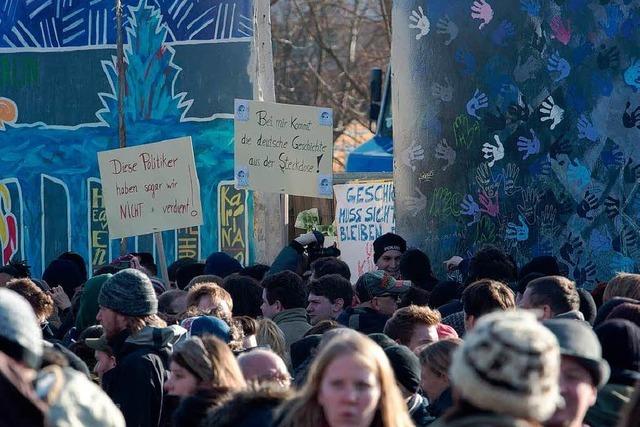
(509, 364)
(129, 292)
(20, 334)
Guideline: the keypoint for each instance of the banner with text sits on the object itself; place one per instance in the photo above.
(282, 148)
(233, 221)
(363, 212)
(150, 187)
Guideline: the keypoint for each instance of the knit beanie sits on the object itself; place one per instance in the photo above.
(405, 365)
(88, 308)
(509, 364)
(65, 273)
(620, 340)
(199, 326)
(627, 311)
(129, 292)
(388, 242)
(20, 334)
(221, 264)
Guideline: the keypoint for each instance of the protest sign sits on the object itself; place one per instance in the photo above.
(364, 211)
(283, 148)
(150, 188)
(233, 221)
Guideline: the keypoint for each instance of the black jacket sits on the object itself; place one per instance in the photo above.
(363, 319)
(136, 383)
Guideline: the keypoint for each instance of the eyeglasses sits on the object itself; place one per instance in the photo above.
(396, 298)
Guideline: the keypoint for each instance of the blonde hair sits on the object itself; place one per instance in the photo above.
(268, 333)
(136, 324)
(304, 410)
(437, 356)
(623, 285)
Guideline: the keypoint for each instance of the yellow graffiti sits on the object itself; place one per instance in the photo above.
(188, 243)
(232, 212)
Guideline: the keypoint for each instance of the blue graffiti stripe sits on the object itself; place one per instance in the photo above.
(67, 23)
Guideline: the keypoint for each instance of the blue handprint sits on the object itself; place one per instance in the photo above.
(532, 7)
(505, 31)
(529, 145)
(586, 129)
(541, 167)
(632, 75)
(519, 232)
(611, 26)
(621, 263)
(466, 58)
(600, 241)
(578, 175)
(469, 207)
(478, 100)
(560, 65)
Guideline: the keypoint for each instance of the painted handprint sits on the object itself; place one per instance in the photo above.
(419, 21)
(530, 200)
(503, 33)
(488, 204)
(486, 231)
(585, 275)
(478, 100)
(526, 70)
(532, 7)
(493, 153)
(621, 263)
(632, 75)
(465, 131)
(448, 28)
(613, 206)
(600, 241)
(611, 25)
(548, 225)
(559, 65)
(494, 122)
(551, 112)
(588, 205)
(442, 92)
(510, 177)
(529, 145)
(608, 58)
(485, 180)
(572, 249)
(467, 60)
(586, 129)
(518, 232)
(483, 11)
(631, 119)
(412, 154)
(416, 204)
(578, 175)
(561, 31)
(541, 167)
(469, 207)
(445, 152)
(519, 111)
(561, 146)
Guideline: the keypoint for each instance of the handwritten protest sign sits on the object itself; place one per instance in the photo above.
(283, 148)
(363, 212)
(150, 188)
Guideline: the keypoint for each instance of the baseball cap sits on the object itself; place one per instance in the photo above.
(378, 283)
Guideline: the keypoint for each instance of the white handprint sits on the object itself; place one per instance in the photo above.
(416, 204)
(551, 111)
(493, 153)
(411, 154)
(419, 21)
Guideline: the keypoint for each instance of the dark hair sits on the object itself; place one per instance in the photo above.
(484, 296)
(105, 269)
(187, 272)
(415, 266)
(545, 265)
(627, 311)
(246, 294)
(415, 296)
(165, 304)
(322, 326)
(330, 265)
(174, 266)
(444, 292)
(249, 325)
(332, 286)
(16, 269)
(286, 287)
(558, 292)
(492, 263)
(78, 260)
(521, 284)
(257, 271)
(147, 261)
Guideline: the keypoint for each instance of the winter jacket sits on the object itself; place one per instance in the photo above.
(440, 405)
(288, 259)
(363, 319)
(611, 398)
(293, 323)
(136, 383)
(193, 409)
(418, 411)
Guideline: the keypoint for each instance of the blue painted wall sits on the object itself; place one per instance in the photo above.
(186, 62)
(517, 123)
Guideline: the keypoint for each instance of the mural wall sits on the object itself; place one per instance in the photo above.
(186, 60)
(517, 123)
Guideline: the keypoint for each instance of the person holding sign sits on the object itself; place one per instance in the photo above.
(387, 250)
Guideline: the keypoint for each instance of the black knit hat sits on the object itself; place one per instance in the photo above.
(388, 242)
(405, 365)
(587, 306)
(129, 292)
(546, 265)
(620, 340)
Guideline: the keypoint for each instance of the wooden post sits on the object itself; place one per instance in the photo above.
(269, 214)
(122, 134)
(162, 258)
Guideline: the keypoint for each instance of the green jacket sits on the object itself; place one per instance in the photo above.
(293, 323)
(606, 411)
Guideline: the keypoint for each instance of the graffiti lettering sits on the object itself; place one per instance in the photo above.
(232, 219)
(445, 203)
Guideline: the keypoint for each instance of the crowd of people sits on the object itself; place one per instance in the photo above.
(296, 344)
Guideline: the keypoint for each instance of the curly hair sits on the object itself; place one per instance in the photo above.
(217, 294)
(401, 325)
(41, 302)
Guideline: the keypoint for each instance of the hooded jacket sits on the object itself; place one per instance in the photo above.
(136, 383)
(293, 323)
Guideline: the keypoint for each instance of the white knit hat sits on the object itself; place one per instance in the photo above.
(509, 364)
(20, 334)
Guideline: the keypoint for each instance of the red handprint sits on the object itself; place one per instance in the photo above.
(560, 31)
(488, 205)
